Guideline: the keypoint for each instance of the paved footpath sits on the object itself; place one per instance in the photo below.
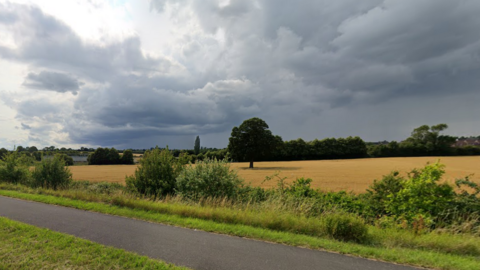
(186, 247)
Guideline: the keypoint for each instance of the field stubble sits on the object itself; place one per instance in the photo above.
(330, 175)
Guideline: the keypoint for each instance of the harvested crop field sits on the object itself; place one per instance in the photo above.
(351, 174)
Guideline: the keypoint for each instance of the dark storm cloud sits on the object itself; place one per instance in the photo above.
(133, 110)
(52, 81)
(288, 62)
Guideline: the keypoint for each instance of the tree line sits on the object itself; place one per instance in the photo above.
(253, 141)
(106, 156)
(423, 141)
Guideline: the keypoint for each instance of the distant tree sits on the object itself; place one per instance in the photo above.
(20, 148)
(196, 148)
(49, 148)
(32, 149)
(430, 139)
(3, 151)
(103, 156)
(112, 156)
(252, 140)
(127, 157)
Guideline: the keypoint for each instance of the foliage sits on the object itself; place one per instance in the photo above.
(422, 201)
(424, 141)
(52, 173)
(382, 192)
(421, 194)
(329, 148)
(196, 147)
(208, 178)
(68, 159)
(14, 168)
(252, 140)
(300, 188)
(156, 174)
(104, 156)
(3, 151)
(127, 157)
(468, 198)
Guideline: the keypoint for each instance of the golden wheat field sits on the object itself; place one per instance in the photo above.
(332, 175)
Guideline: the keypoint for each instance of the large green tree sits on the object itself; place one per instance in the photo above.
(252, 140)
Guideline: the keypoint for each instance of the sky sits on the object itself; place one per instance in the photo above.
(135, 74)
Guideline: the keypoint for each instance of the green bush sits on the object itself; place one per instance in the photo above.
(52, 173)
(380, 193)
(156, 174)
(14, 168)
(421, 194)
(346, 227)
(68, 159)
(208, 178)
(301, 188)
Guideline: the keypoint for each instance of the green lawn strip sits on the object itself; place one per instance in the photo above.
(25, 246)
(417, 257)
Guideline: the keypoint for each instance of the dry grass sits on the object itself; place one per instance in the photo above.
(353, 174)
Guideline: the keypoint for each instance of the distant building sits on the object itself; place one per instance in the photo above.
(467, 142)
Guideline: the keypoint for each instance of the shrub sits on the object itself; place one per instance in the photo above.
(156, 174)
(52, 173)
(467, 200)
(301, 188)
(383, 191)
(208, 178)
(68, 159)
(422, 195)
(345, 227)
(14, 168)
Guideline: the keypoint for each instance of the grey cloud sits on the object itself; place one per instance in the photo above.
(125, 104)
(52, 81)
(7, 17)
(48, 43)
(292, 63)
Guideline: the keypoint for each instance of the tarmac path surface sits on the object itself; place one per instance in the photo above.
(186, 247)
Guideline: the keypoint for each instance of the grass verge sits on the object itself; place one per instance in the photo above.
(425, 257)
(25, 246)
